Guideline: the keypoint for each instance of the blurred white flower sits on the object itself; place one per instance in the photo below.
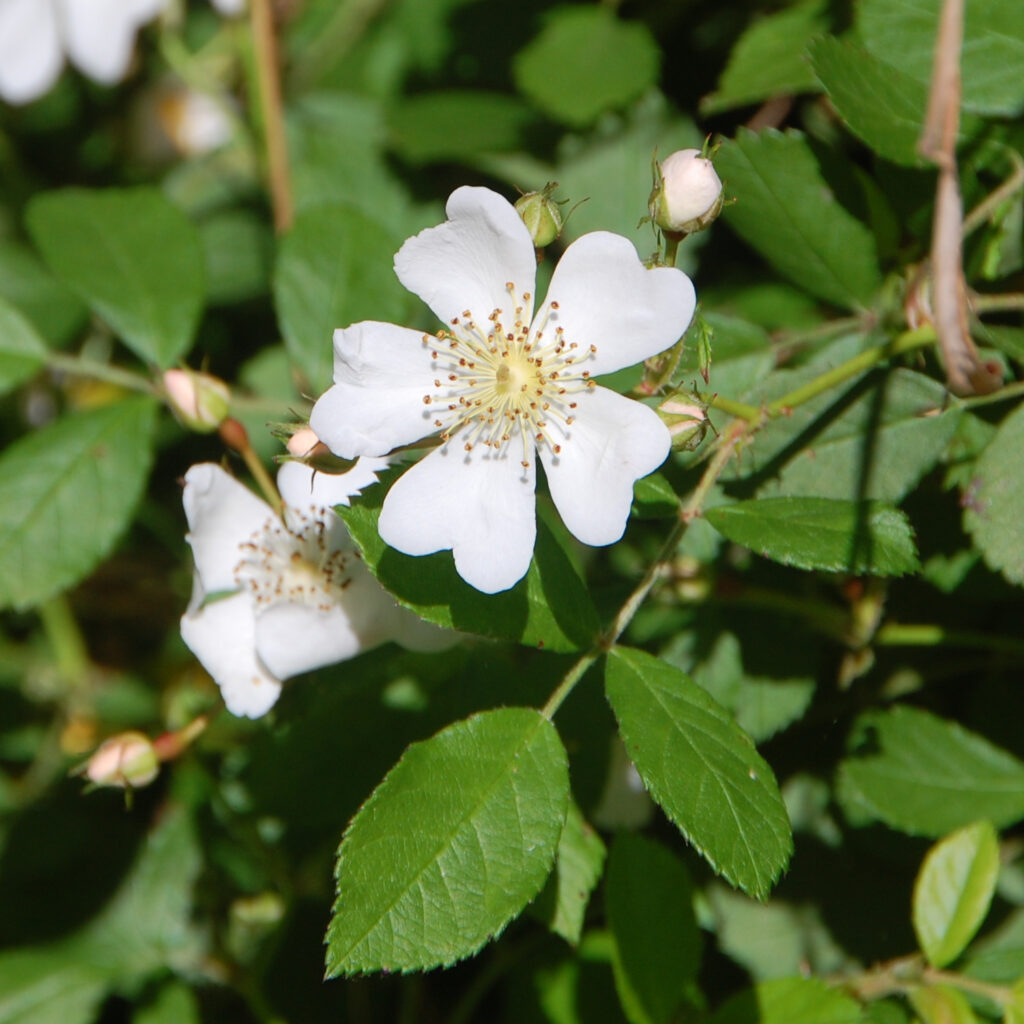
(274, 598)
(501, 383)
(194, 122)
(97, 36)
(229, 8)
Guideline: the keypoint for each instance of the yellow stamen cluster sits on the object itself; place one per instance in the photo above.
(292, 564)
(506, 378)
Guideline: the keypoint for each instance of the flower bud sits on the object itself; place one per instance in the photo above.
(127, 760)
(199, 400)
(304, 446)
(687, 423)
(541, 215)
(687, 194)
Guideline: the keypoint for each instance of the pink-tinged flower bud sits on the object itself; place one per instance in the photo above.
(198, 400)
(687, 423)
(302, 442)
(541, 215)
(127, 760)
(687, 194)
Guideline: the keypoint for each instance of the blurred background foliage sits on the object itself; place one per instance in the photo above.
(207, 897)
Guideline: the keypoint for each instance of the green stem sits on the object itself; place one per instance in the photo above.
(1013, 184)
(69, 649)
(1014, 390)
(896, 634)
(921, 337)
(655, 571)
(750, 413)
(80, 366)
(906, 342)
(672, 240)
(1007, 301)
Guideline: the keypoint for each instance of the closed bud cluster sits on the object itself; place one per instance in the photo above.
(128, 760)
(687, 195)
(199, 400)
(541, 215)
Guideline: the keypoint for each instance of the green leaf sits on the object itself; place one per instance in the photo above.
(882, 106)
(785, 209)
(550, 608)
(451, 846)
(954, 890)
(133, 257)
(334, 269)
(767, 59)
(336, 142)
(458, 125)
(174, 1003)
(22, 351)
(701, 768)
(654, 498)
(789, 1001)
(822, 533)
(902, 33)
(40, 986)
(563, 901)
(762, 706)
(926, 776)
(144, 929)
(874, 441)
(586, 61)
(649, 902)
(239, 249)
(992, 515)
(54, 310)
(67, 492)
(941, 1004)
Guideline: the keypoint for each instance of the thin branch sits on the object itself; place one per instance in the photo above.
(966, 373)
(269, 78)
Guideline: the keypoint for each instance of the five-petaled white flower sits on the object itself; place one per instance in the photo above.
(298, 598)
(97, 36)
(503, 382)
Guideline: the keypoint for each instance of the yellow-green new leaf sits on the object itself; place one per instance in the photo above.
(953, 891)
(941, 1004)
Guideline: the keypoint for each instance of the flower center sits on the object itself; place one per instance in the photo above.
(292, 564)
(512, 378)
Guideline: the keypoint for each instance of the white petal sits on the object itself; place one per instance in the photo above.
(99, 35)
(229, 8)
(478, 504)
(294, 638)
(221, 514)
(612, 443)
(303, 488)
(30, 50)
(221, 636)
(607, 298)
(382, 373)
(468, 262)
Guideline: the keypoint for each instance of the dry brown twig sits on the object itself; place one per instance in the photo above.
(966, 373)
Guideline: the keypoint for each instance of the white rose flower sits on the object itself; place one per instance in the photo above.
(97, 36)
(502, 382)
(298, 596)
